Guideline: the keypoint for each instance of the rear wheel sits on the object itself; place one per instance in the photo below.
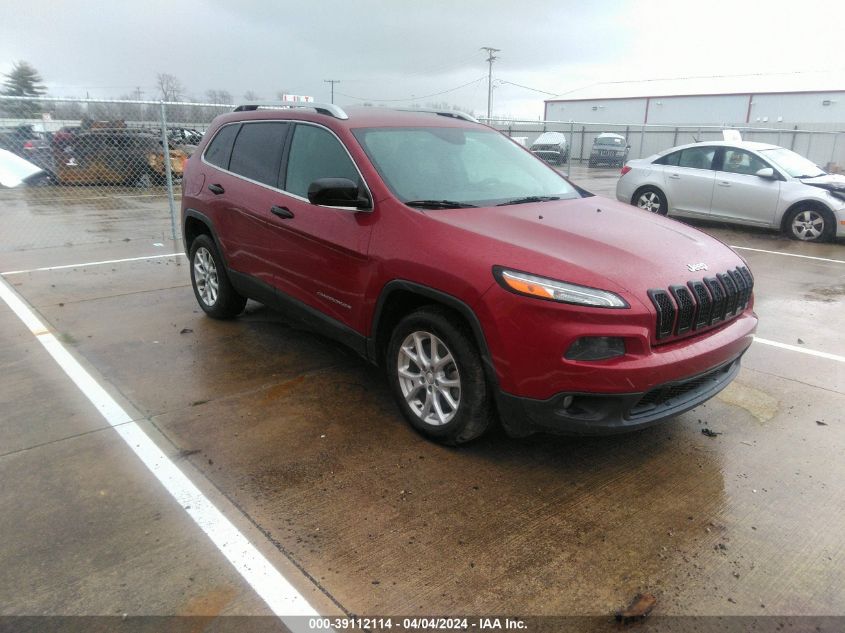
(437, 378)
(651, 199)
(212, 288)
(809, 224)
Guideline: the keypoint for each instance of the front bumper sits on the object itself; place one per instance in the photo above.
(550, 156)
(605, 414)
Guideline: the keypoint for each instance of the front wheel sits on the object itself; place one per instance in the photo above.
(652, 200)
(437, 378)
(809, 224)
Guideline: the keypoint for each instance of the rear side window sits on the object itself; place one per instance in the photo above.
(697, 157)
(257, 152)
(669, 159)
(316, 153)
(220, 148)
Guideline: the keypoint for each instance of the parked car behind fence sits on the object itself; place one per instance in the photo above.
(114, 157)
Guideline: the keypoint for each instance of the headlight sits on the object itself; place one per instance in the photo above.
(553, 290)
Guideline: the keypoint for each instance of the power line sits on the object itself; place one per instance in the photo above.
(545, 92)
(414, 97)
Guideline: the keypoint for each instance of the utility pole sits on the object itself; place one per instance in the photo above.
(332, 82)
(490, 59)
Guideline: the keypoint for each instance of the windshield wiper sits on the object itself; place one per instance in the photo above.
(528, 199)
(439, 204)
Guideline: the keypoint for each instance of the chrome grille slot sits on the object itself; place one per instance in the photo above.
(731, 294)
(719, 300)
(665, 312)
(686, 308)
(705, 304)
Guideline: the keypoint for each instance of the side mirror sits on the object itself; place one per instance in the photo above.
(337, 192)
(767, 172)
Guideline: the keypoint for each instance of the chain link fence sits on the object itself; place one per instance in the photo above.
(603, 144)
(111, 169)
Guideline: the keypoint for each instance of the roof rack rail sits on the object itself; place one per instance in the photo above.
(328, 109)
(455, 114)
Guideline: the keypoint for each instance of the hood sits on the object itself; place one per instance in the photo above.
(594, 241)
(550, 138)
(834, 183)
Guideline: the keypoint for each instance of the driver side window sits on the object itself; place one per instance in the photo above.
(315, 153)
(737, 161)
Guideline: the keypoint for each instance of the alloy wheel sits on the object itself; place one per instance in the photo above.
(429, 378)
(808, 225)
(649, 201)
(205, 276)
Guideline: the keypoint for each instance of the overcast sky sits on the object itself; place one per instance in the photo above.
(404, 51)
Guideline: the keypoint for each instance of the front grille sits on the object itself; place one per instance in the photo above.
(700, 304)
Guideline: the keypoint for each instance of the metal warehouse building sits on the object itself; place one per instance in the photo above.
(807, 100)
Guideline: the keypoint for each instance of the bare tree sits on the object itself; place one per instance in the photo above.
(169, 87)
(250, 96)
(219, 96)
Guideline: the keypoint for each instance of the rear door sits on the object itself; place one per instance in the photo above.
(689, 177)
(247, 220)
(324, 261)
(739, 194)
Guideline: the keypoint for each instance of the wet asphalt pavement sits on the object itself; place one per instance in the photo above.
(363, 515)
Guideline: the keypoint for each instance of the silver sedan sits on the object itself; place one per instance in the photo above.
(741, 182)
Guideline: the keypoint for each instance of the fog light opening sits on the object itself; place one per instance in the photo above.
(567, 401)
(596, 348)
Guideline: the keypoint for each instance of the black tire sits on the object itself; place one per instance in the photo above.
(227, 303)
(474, 410)
(650, 199)
(809, 223)
(591, 162)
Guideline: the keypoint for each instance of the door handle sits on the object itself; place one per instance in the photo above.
(674, 176)
(216, 189)
(282, 212)
(724, 183)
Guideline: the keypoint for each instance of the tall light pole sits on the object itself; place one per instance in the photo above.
(332, 82)
(490, 59)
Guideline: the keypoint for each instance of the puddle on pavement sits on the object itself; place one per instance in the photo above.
(758, 403)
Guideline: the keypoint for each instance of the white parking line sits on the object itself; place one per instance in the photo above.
(86, 264)
(760, 250)
(282, 598)
(803, 350)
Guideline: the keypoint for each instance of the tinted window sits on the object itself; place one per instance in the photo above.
(316, 153)
(737, 161)
(257, 152)
(697, 157)
(220, 148)
(669, 159)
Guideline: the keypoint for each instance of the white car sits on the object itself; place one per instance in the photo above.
(741, 182)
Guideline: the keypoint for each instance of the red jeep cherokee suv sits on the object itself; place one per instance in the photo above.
(481, 279)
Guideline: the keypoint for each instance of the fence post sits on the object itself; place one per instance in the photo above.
(642, 136)
(168, 173)
(571, 147)
(581, 149)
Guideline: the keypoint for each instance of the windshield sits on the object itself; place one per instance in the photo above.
(608, 140)
(465, 166)
(793, 164)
